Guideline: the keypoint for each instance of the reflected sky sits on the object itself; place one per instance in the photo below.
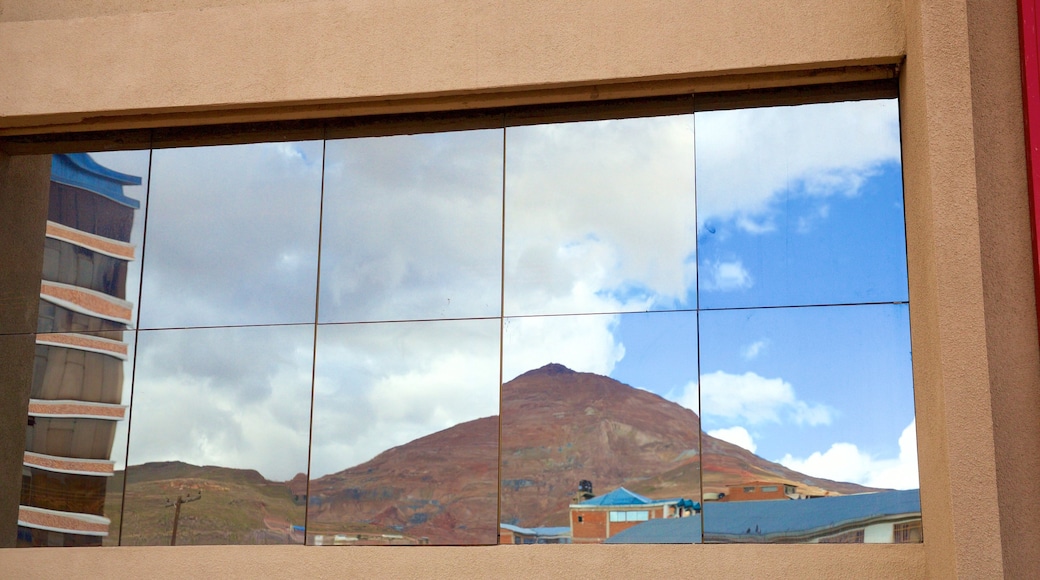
(800, 205)
(600, 216)
(234, 397)
(412, 227)
(826, 391)
(795, 205)
(380, 385)
(233, 235)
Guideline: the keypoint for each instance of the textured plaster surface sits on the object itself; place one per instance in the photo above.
(23, 213)
(1007, 277)
(235, 55)
(24, 183)
(837, 562)
(948, 317)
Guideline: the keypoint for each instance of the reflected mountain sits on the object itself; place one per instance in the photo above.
(558, 427)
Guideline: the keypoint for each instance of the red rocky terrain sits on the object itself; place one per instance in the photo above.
(558, 427)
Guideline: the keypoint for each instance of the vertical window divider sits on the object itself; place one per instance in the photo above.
(501, 340)
(697, 309)
(314, 338)
(137, 324)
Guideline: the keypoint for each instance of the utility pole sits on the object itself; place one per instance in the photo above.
(181, 500)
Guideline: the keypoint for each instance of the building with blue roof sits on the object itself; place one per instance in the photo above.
(597, 519)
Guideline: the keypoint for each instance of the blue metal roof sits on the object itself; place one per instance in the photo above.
(80, 170)
(662, 531)
(766, 521)
(619, 497)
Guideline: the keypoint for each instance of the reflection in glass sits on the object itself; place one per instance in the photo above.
(600, 217)
(405, 445)
(800, 205)
(598, 435)
(232, 235)
(220, 425)
(815, 403)
(72, 443)
(75, 435)
(412, 227)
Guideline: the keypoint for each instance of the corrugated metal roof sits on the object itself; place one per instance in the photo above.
(768, 521)
(662, 531)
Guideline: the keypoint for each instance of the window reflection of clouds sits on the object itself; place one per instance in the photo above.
(412, 227)
(234, 397)
(381, 385)
(834, 379)
(232, 235)
(796, 205)
(600, 216)
(800, 205)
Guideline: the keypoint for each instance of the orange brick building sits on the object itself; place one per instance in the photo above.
(597, 519)
(760, 490)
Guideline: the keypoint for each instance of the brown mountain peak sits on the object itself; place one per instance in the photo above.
(551, 369)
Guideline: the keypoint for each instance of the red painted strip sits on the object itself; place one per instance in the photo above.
(1028, 23)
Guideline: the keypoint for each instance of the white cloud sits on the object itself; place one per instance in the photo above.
(581, 343)
(234, 397)
(726, 276)
(746, 158)
(753, 399)
(845, 462)
(738, 436)
(751, 351)
(232, 235)
(600, 218)
(412, 227)
(608, 205)
(383, 385)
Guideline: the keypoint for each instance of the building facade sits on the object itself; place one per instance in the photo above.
(77, 390)
(186, 74)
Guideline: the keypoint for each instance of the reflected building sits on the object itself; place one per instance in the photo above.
(598, 519)
(76, 397)
(888, 517)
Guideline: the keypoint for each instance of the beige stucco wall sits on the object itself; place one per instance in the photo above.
(974, 330)
(326, 54)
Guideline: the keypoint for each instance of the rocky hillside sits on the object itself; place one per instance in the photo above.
(558, 427)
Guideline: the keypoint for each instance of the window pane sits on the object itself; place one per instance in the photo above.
(600, 217)
(816, 398)
(412, 227)
(233, 235)
(800, 205)
(405, 442)
(221, 419)
(596, 415)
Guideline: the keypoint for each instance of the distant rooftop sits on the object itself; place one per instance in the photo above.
(623, 497)
(80, 170)
(770, 521)
(553, 532)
